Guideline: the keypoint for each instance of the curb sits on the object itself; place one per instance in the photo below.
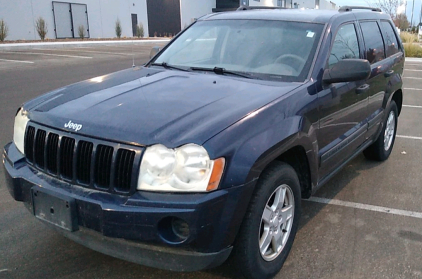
(413, 59)
(23, 46)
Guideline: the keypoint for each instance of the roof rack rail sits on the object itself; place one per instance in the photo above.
(246, 8)
(351, 8)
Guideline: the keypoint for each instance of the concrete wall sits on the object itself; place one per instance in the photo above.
(191, 9)
(307, 4)
(269, 3)
(20, 16)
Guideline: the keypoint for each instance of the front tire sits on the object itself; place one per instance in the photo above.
(381, 149)
(270, 224)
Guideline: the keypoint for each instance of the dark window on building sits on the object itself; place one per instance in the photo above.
(374, 45)
(345, 45)
(391, 43)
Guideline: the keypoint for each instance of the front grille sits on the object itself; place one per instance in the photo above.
(83, 171)
(103, 165)
(84, 161)
(123, 165)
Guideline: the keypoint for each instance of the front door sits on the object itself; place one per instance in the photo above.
(342, 107)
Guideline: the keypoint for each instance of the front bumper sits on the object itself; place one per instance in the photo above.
(131, 227)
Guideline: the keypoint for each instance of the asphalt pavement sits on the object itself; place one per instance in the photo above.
(365, 223)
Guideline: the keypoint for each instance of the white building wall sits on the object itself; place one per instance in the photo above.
(268, 3)
(192, 9)
(20, 16)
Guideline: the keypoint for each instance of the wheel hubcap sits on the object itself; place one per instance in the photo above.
(276, 222)
(389, 131)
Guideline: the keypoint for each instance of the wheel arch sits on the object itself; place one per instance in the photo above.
(295, 156)
(398, 98)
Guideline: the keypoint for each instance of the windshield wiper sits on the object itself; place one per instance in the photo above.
(222, 71)
(167, 66)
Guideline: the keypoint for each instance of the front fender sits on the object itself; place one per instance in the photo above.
(252, 143)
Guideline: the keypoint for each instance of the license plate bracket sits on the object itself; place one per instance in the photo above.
(56, 209)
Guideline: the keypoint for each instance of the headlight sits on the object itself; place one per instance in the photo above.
(21, 120)
(184, 169)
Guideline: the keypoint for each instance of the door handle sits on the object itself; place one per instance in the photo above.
(363, 88)
(389, 73)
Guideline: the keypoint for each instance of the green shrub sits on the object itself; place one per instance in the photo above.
(407, 37)
(118, 29)
(140, 30)
(41, 27)
(4, 30)
(81, 31)
(413, 50)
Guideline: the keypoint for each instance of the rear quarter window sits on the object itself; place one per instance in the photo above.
(390, 39)
(374, 45)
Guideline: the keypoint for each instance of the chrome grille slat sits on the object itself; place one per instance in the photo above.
(29, 144)
(66, 157)
(39, 148)
(103, 166)
(124, 165)
(84, 162)
(52, 149)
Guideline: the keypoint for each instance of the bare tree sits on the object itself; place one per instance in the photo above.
(387, 6)
(401, 21)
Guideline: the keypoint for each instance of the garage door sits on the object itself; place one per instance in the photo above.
(163, 17)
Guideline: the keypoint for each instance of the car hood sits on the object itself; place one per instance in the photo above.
(147, 106)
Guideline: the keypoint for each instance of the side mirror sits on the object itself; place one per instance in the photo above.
(347, 70)
(154, 51)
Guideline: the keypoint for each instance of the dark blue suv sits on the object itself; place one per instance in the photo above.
(206, 151)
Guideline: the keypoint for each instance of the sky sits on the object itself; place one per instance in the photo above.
(416, 10)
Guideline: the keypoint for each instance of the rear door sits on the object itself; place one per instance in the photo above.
(392, 72)
(380, 68)
(342, 106)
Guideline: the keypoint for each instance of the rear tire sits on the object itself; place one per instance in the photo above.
(381, 149)
(270, 224)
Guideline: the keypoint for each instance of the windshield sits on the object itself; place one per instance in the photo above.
(264, 49)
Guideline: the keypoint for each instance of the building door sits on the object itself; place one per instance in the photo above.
(68, 18)
(62, 20)
(163, 17)
(134, 24)
(80, 19)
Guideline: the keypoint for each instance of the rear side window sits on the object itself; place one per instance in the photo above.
(374, 45)
(391, 44)
(345, 45)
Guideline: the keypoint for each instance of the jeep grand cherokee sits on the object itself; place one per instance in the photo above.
(206, 151)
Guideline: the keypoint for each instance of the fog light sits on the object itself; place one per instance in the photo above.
(173, 230)
(180, 228)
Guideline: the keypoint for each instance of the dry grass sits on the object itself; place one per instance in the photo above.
(407, 37)
(413, 50)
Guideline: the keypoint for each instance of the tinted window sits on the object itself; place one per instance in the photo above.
(390, 38)
(345, 45)
(374, 45)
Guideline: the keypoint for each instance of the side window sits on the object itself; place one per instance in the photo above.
(392, 46)
(345, 45)
(373, 41)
